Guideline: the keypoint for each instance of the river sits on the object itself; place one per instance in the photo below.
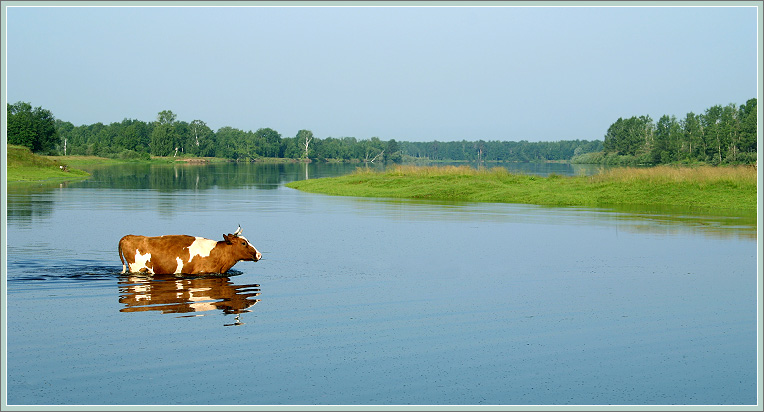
(372, 301)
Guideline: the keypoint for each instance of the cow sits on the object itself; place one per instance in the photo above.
(176, 254)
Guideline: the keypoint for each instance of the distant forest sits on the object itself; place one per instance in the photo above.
(39, 130)
(720, 135)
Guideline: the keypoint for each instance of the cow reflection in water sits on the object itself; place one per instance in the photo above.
(176, 294)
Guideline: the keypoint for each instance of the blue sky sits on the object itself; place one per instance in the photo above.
(404, 73)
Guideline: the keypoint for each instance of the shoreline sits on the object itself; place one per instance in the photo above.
(27, 168)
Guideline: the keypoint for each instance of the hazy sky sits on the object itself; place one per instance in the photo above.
(404, 73)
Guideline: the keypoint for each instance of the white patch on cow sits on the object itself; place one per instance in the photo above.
(248, 242)
(201, 247)
(140, 262)
(179, 269)
(257, 252)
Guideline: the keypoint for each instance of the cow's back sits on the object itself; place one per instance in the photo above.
(159, 254)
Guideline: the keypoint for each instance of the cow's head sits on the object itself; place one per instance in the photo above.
(240, 248)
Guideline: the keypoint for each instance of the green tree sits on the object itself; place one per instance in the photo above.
(163, 137)
(748, 127)
(64, 131)
(328, 148)
(372, 149)
(712, 134)
(350, 148)
(229, 142)
(202, 139)
(268, 142)
(630, 137)
(304, 138)
(183, 138)
(33, 128)
(615, 133)
(133, 135)
(692, 136)
(730, 132)
(292, 148)
(666, 140)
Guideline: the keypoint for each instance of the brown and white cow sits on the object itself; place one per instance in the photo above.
(175, 254)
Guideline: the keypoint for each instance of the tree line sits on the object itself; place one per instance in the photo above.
(719, 135)
(500, 151)
(33, 128)
(39, 130)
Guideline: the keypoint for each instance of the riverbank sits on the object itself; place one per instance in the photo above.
(80, 161)
(26, 167)
(732, 188)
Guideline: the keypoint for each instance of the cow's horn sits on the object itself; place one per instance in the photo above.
(238, 231)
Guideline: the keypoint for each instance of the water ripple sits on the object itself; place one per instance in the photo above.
(83, 271)
(33, 271)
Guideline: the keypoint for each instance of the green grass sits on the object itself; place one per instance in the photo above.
(702, 187)
(25, 166)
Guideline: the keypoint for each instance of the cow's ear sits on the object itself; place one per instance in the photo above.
(227, 238)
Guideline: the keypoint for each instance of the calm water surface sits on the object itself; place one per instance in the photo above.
(372, 301)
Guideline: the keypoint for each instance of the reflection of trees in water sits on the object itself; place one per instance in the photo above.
(200, 177)
(178, 294)
(26, 202)
(677, 219)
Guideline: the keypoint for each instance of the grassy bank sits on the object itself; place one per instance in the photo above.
(702, 187)
(25, 166)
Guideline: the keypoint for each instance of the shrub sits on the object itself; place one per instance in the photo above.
(132, 155)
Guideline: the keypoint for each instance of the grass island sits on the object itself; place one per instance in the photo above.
(706, 187)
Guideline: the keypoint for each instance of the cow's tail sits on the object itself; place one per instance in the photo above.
(121, 257)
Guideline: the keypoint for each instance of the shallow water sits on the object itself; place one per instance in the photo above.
(372, 301)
